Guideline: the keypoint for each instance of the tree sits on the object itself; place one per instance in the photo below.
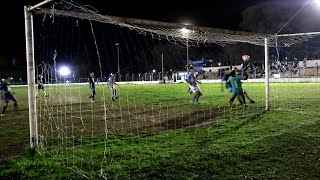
(271, 16)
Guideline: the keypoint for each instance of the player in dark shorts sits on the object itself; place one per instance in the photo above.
(237, 90)
(92, 86)
(6, 95)
(228, 73)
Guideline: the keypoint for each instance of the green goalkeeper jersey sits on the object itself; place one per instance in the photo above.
(236, 84)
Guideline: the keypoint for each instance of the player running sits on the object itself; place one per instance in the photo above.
(193, 85)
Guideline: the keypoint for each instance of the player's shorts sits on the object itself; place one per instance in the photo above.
(40, 87)
(6, 97)
(111, 86)
(238, 92)
(194, 89)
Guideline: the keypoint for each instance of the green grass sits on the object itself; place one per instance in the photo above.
(155, 133)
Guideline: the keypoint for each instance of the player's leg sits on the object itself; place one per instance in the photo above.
(115, 92)
(245, 93)
(5, 104)
(199, 93)
(243, 99)
(93, 93)
(114, 95)
(194, 90)
(234, 95)
(15, 102)
(189, 90)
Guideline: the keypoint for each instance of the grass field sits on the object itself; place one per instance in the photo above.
(154, 132)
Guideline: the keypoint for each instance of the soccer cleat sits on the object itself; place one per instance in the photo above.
(113, 99)
(252, 102)
(245, 105)
(2, 115)
(230, 105)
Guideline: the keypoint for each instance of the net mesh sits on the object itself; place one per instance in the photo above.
(102, 138)
(171, 31)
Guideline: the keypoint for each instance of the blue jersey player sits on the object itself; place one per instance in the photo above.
(193, 85)
(111, 82)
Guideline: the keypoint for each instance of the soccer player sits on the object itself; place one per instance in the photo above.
(237, 88)
(92, 86)
(111, 82)
(6, 95)
(40, 85)
(192, 81)
(232, 73)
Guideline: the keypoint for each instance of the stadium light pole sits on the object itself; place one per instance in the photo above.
(118, 56)
(185, 32)
(162, 68)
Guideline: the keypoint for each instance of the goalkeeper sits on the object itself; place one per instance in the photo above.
(237, 90)
(228, 73)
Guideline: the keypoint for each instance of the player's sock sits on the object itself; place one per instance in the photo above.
(4, 109)
(116, 94)
(194, 100)
(197, 99)
(113, 93)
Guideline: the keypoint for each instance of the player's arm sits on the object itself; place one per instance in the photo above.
(245, 76)
(198, 81)
(187, 79)
(228, 81)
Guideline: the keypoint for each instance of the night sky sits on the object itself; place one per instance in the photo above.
(220, 14)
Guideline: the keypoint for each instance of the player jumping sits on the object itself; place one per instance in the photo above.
(228, 73)
(236, 88)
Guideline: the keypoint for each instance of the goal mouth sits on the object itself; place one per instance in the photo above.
(126, 85)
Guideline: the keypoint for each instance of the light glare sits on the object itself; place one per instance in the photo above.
(185, 30)
(64, 71)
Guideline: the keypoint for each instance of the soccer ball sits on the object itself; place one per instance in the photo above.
(245, 58)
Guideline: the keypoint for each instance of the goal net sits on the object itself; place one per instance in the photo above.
(151, 114)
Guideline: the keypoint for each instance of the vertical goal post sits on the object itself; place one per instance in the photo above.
(33, 123)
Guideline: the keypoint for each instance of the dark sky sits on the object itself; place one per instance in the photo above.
(213, 13)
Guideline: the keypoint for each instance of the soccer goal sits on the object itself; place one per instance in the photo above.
(112, 87)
